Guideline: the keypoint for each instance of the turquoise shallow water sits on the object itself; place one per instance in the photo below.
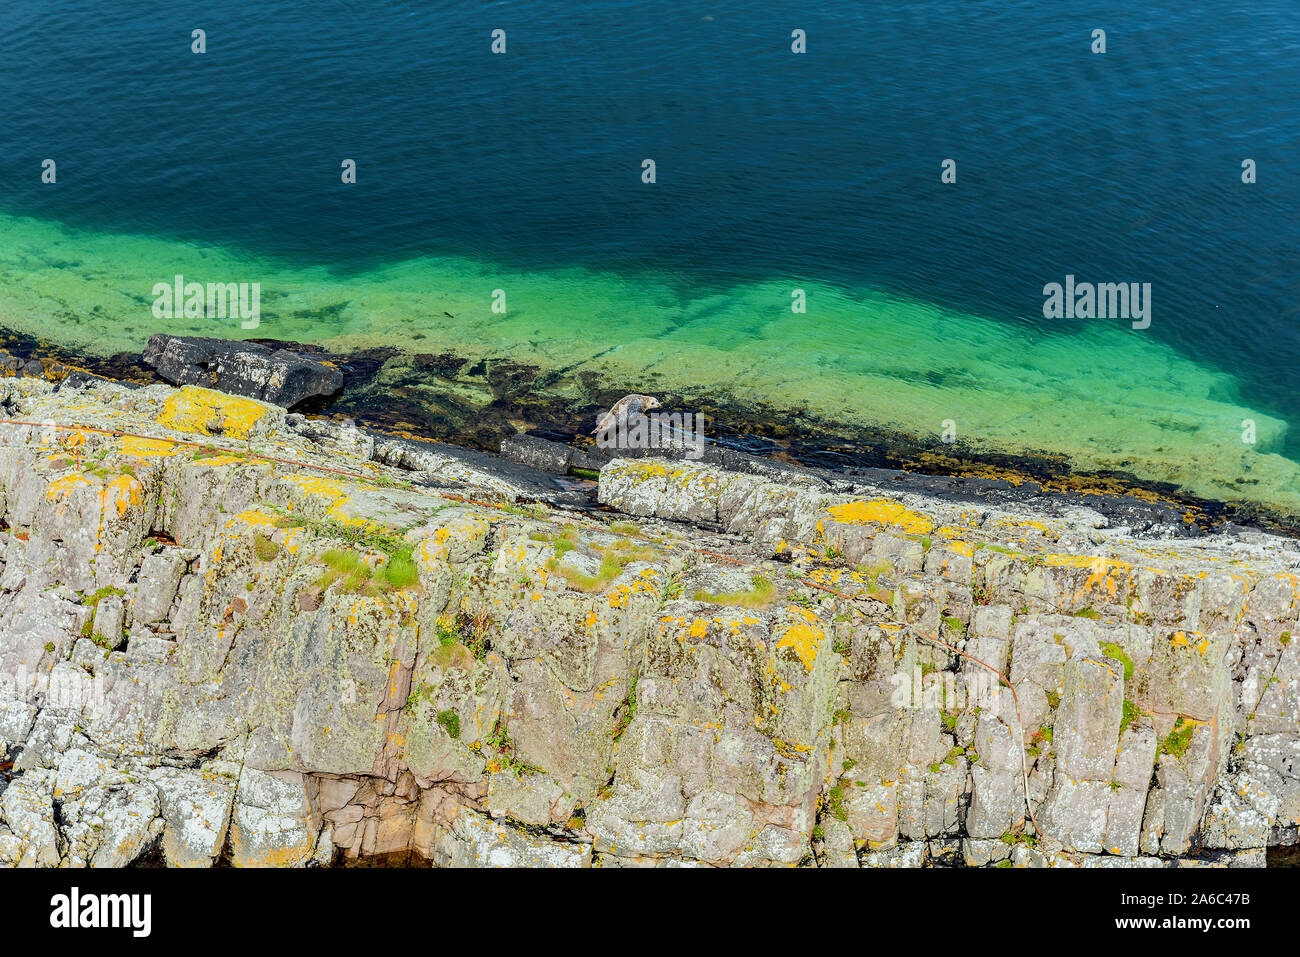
(776, 172)
(1110, 398)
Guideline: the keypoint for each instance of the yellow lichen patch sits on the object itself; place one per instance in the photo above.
(429, 555)
(805, 636)
(464, 529)
(881, 511)
(205, 412)
(641, 471)
(699, 628)
(122, 492)
(319, 485)
(253, 518)
(62, 488)
(1026, 523)
(218, 460)
(335, 493)
(1084, 561)
(141, 448)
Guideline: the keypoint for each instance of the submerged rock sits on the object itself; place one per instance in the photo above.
(247, 369)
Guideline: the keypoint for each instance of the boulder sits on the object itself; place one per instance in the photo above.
(247, 369)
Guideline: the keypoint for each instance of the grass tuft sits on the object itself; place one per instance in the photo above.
(759, 596)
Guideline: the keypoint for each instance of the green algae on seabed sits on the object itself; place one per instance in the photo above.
(1110, 398)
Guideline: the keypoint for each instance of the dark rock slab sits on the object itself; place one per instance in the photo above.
(247, 369)
(450, 466)
(538, 453)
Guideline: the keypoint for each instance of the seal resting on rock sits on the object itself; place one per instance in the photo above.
(625, 408)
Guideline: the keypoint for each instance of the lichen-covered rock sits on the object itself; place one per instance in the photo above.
(998, 794)
(474, 840)
(27, 805)
(195, 810)
(272, 822)
(109, 825)
(229, 635)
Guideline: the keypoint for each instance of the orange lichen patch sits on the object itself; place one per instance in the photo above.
(881, 511)
(279, 856)
(205, 412)
(122, 492)
(396, 676)
(141, 448)
(1103, 576)
(1084, 561)
(1196, 640)
(699, 628)
(62, 488)
(805, 636)
(619, 595)
(1106, 574)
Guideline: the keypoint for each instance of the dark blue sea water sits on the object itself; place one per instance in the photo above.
(825, 166)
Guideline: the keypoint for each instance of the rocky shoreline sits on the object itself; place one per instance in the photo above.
(231, 634)
(483, 404)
